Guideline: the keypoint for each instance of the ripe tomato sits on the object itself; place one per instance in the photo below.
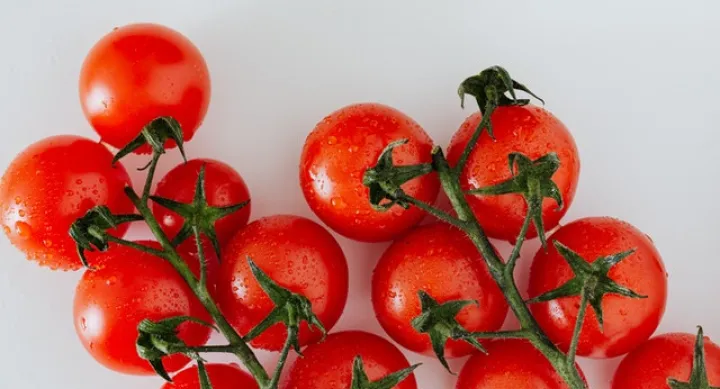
(628, 322)
(223, 187)
(221, 376)
(666, 356)
(339, 151)
(138, 73)
(51, 184)
(509, 363)
(440, 260)
(299, 255)
(126, 287)
(328, 365)
(532, 131)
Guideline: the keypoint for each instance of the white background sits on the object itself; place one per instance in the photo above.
(637, 84)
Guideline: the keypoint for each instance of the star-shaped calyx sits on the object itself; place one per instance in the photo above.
(198, 214)
(156, 134)
(360, 379)
(533, 180)
(590, 280)
(90, 231)
(698, 375)
(438, 321)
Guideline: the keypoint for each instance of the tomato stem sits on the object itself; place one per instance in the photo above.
(292, 333)
(150, 175)
(578, 326)
(136, 246)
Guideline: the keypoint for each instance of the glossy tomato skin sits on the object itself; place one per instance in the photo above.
(126, 287)
(222, 376)
(511, 364)
(223, 187)
(628, 322)
(339, 151)
(328, 365)
(51, 184)
(440, 260)
(140, 72)
(532, 131)
(662, 357)
(299, 255)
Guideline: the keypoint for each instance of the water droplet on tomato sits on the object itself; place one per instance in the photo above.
(21, 213)
(91, 346)
(47, 242)
(353, 148)
(78, 181)
(331, 140)
(18, 200)
(83, 324)
(23, 229)
(338, 202)
(7, 230)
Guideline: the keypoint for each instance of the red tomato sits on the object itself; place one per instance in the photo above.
(126, 287)
(666, 356)
(138, 73)
(223, 187)
(532, 131)
(328, 365)
(509, 363)
(221, 377)
(299, 255)
(51, 184)
(339, 151)
(628, 322)
(440, 260)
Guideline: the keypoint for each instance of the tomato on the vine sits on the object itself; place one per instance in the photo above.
(662, 357)
(529, 130)
(223, 187)
(139, 72)
(440, 260)
(339, 151)
(628, 322)
(125, 287)
(296, 253)
(509, 363)
(222, 376)
(51, 184)
(329, 364)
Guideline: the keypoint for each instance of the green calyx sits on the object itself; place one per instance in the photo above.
(158, 339)
(698, 375)
(438, 321)
(360, 379)
(532, 180)
(156, 134)
(591, 280)
(385, 179)
(290, 309)
(198, 214)
(90, 231)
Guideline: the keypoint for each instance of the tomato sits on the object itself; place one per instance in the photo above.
(328, 365)
(339, 151)
(221, 376)
(529, 130)
(126, 287)
(509, 363)
(223, 187)
(140, 72)
(662, 357)
(440, 260)
(628, 321)
(299, 255)
(51, 184)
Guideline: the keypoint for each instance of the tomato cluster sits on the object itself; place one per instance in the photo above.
(431, 290)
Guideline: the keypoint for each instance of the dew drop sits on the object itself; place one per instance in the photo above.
(21, 213)
(47, 242)
(338, 202)
(78, 181)
(18, 200)
(331, 140)
(7, 230)
(83, 324)
(23, 229)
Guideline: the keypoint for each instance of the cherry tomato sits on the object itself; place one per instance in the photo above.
(223, 187)
(328, 365)
(299, 255)
(440, 260)
(666, 356)
(140, 72)
(509, 363)
(126, 287)
(628, 322)
(532, 131)
(51, 184)
(339, 151)
(221, 376)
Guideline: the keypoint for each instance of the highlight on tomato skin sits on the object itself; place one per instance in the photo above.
(335, 157)
(52, 183)
(139, 72)
(222, 376)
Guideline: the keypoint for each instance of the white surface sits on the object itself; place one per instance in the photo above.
(636, 84)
